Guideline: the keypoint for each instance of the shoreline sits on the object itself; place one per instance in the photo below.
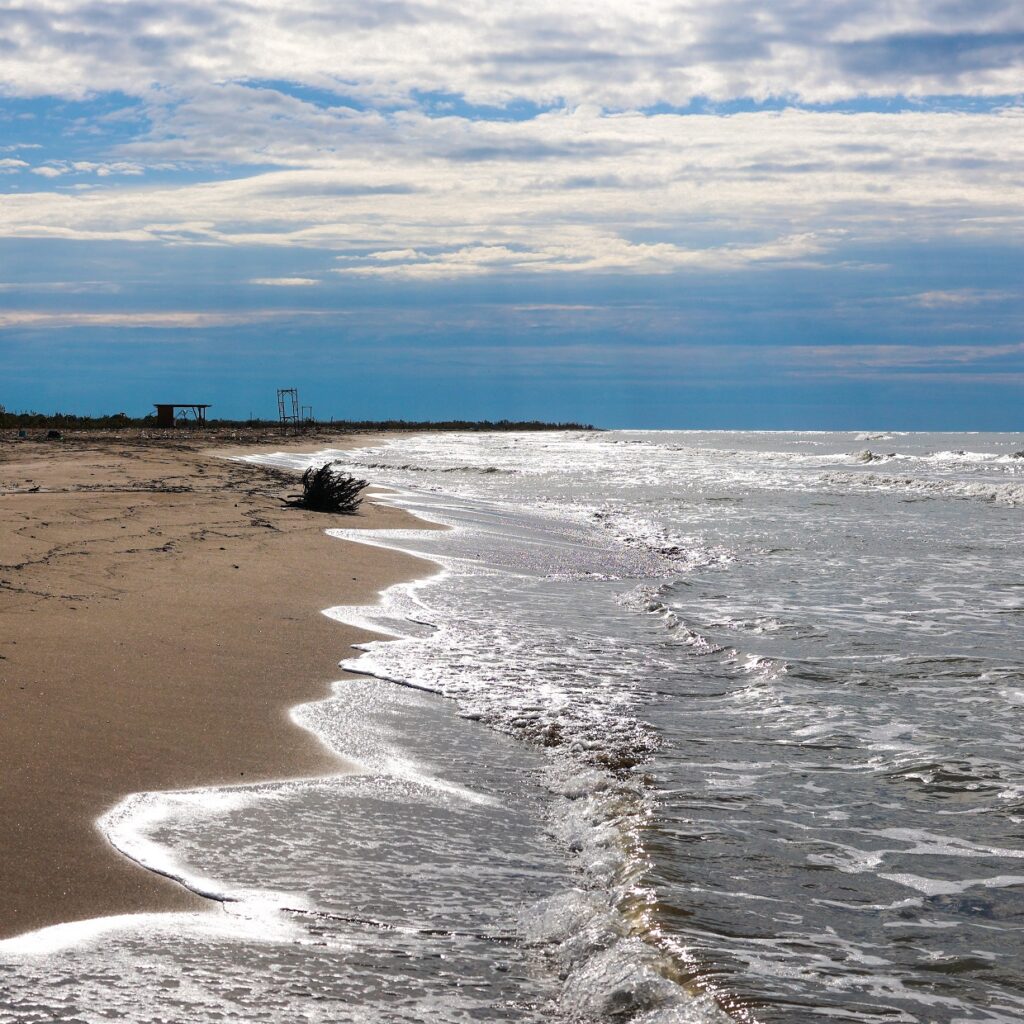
(163, 614)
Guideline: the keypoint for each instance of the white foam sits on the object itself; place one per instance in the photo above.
(944, 887)
(257, 924)
(127, 823)
(998, 493)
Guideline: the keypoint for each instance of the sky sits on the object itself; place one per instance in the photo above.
(685, 213)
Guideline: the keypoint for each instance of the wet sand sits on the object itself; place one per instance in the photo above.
(160, 614)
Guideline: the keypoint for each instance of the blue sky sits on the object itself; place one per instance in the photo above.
(690, 214)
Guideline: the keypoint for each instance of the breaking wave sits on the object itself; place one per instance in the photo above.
(1010, 494)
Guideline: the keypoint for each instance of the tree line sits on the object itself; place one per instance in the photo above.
(72, 421)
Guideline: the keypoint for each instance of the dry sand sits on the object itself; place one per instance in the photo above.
(160, 613)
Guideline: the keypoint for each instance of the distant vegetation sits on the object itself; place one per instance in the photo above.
(69, 421)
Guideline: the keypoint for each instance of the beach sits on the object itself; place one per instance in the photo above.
(641, 733)
(162, 612)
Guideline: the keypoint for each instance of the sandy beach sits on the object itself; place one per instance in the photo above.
(161, 614)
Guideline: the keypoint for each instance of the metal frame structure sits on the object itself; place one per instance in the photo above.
(288, 408)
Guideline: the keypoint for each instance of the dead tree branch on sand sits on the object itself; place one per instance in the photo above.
(324, 490)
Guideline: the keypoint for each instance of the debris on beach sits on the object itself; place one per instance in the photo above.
(325, 490)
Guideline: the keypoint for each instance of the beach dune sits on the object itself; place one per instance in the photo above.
(161, 614)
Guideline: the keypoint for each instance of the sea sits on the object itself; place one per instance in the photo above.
(687, 727)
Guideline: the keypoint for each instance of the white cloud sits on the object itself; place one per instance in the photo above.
(595, 252)
(285, 282)
(9, 165)
(57, 168)
(366, 170)
(574, 191)
(174, 319)
(958, 298)
(611, 52)
(104, 170)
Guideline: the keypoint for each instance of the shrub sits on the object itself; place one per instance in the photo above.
(324, 490)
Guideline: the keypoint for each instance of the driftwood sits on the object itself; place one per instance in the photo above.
(325, 490)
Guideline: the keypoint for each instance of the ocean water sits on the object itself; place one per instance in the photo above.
(688, 727)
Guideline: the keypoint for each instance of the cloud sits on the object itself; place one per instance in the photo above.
(958, 298)
(174, 319)
(482, 139)
(939, 55)
(58, 168)
(591, 253)
(9, 165)
(718, 362)
(73, 287)
(285, 282)
(889, 357)
(104, 170)
(616, 54)
(614, 192)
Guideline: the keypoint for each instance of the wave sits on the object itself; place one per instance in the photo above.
(598, 934)
(684, 553)
(869, 456)
(409, 467)
(959, 455)
(611, 975)
(1009, 494)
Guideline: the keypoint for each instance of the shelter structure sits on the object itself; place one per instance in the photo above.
(165, 413)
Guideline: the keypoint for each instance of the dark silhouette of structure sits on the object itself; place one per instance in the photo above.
(288, 408)
(165, 416)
